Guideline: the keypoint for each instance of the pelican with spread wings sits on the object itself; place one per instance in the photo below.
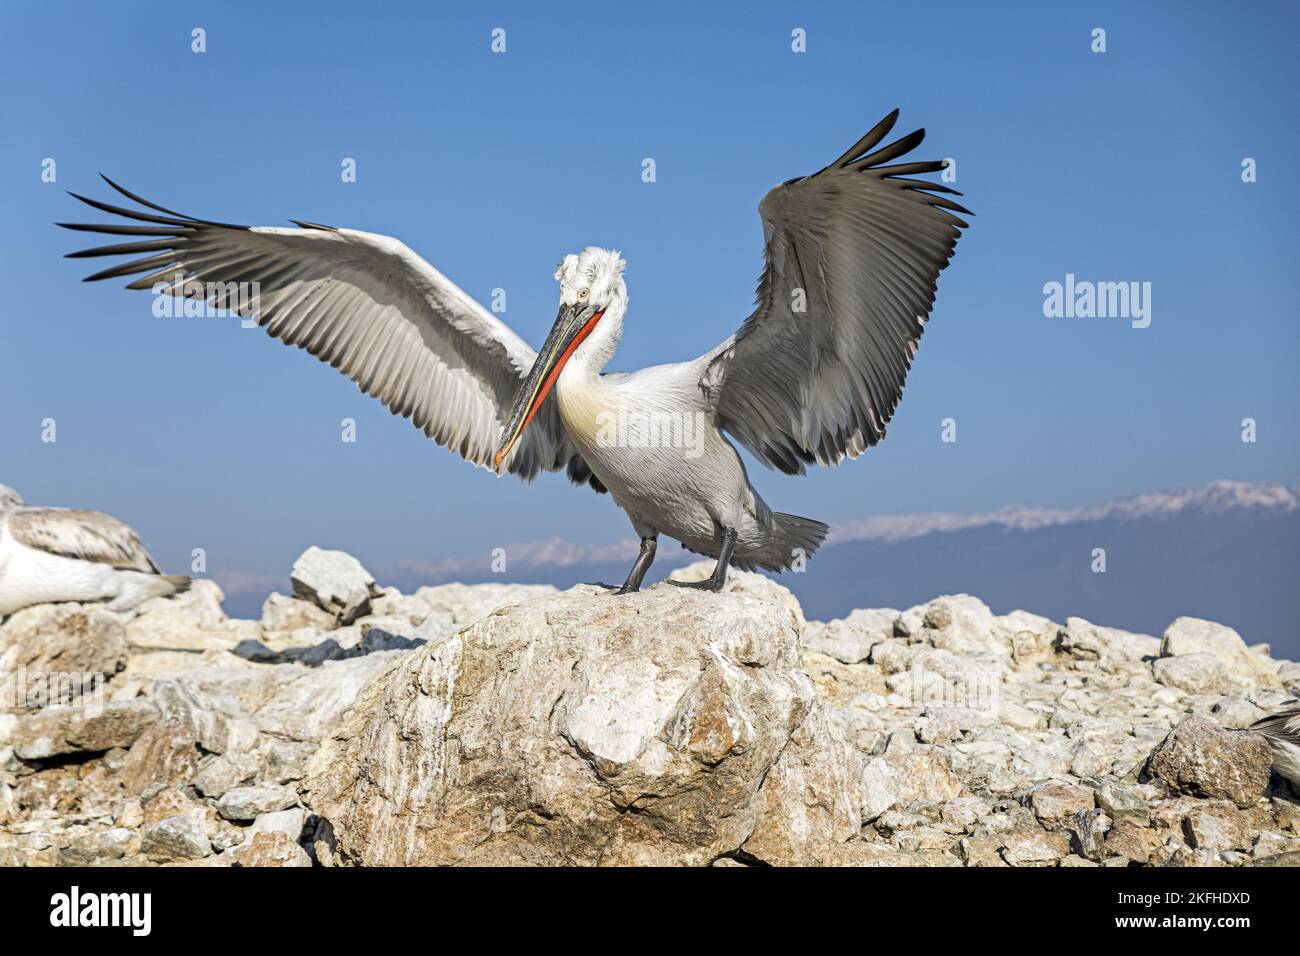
(813, 376)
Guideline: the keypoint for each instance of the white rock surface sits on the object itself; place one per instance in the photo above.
(335, 582)
(575, 729)
(1191, 635)
(504, 723)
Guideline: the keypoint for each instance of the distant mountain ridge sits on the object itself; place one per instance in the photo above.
(1218, 497)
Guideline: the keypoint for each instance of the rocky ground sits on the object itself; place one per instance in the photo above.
(504, 724)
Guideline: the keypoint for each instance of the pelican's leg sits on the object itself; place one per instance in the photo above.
(642, 564)
(718, 578)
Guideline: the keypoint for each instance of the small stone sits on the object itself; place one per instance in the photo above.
(223, 772)
(178, 837)
(286, 761)
(962, 813)
(1035, 849)
(163, 755)
(1282, 859)
(904, 777)
(65, 730)
(1054, 802)
(130, 815)
(850, 640)
(273, 849)
(1123, 804)
(289, 822)
(981, 851)
(217, 728)
(1218, 828)
(249, 803)
(92, 848)
(1273, 842)
(1088, 829)
(1131, 841)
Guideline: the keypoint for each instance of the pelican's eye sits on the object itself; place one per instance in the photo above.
(583, 293)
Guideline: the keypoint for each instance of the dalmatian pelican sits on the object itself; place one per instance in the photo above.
(50, 555)
(812, 376)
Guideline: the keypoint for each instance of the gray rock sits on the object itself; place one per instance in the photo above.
(1087, 830)
(91, 729)
(963, 625)
(1035, 848)
(270, 848)
(178, 837)
(902, 778)
(289, 822)
(249, 803)
(308, 704)
(335, 582)
(1054, 802)
(224, 772)
(90, 849)
(1123, 804)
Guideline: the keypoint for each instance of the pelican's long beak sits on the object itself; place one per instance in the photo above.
(572, 325)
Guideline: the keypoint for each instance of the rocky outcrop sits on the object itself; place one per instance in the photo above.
(582, 730)
(353, 724)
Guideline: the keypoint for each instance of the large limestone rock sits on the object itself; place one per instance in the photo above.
(582, 728)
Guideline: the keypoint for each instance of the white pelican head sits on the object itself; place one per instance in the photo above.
(9, 499)
(593, 301)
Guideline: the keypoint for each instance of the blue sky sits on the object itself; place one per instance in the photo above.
(1122, 166)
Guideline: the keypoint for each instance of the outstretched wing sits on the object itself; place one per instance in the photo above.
(86, 535)
(851, 259)
(1284, 725)
(363, 303)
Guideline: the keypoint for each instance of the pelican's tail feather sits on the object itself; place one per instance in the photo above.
(792, 542)
(179, 582)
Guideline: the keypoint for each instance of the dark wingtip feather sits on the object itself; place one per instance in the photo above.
(869, 139)
(898, 147)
